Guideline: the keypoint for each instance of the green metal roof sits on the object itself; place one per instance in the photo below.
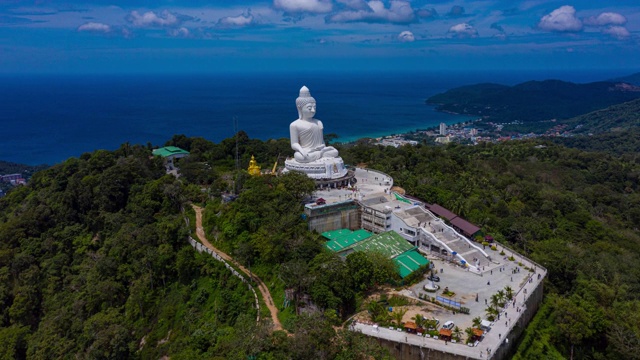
(335, 234)
(409, 262)
(339, 243)
(169, 151)
(401, 198)
(390, 244)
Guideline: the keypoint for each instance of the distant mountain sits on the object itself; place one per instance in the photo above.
(619, 117)
(533, 101)
(633, 79)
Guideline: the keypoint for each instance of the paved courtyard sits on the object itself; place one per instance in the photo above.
(370, 183)
(467, 285)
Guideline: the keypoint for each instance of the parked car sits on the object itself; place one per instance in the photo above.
(448, 325)
(433, 278)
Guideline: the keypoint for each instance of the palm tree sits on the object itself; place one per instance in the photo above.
(492, 312)
(377, 312)
(502, 297)
(495, 301)
(508, 292)
(420, 321)
(469, 332)
(476, 322)
(397, 316)
(430, 324)
(456, 333)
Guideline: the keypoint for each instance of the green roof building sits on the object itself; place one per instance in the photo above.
(170, 152)
(390, 244)
(347, 239)
(409, 262)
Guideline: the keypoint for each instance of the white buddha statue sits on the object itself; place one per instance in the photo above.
(307, 137)
(312, 156)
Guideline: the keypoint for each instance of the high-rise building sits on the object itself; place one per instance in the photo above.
(443, 129)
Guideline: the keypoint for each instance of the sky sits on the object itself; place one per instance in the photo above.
(196, 36)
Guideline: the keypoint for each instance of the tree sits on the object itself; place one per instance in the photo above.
(377, 312)
(397, 315)
(419, 320)
(457, 332)
(477, 321)
(508, 292)
(297, 184)
(470, 335)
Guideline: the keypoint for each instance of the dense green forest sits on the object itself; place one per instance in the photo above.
(532, 101)
(94, 264)
(94, 261)
(619, 117)
(574, 212)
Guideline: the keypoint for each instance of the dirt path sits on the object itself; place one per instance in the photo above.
(266, 295)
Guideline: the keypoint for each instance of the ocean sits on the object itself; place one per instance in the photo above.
(45, 119)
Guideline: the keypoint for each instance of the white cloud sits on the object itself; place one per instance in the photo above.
(618, 32)
(562, 19)
(304, 6)
(354, 4)
(406, 36)
(607, 18)
(463, 30)
(180, 32)
(240, 20)
(151, 19)
(95, 27)
(399, 11)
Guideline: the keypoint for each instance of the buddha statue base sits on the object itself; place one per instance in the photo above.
(321, 169)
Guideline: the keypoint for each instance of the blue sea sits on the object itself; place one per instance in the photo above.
(49, 118)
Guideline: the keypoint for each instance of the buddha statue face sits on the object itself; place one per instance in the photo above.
(308, 111)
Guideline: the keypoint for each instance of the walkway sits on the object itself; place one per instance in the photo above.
(266, 295)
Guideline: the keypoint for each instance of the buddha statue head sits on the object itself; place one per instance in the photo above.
(305, 104)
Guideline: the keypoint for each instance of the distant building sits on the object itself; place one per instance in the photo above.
(396, 142)
(10, 177)
(474, 132)
(169, 153)
(443, 129)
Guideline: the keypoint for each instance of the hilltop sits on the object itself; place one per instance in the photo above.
(533, 101)
(631, 79)
(618, 117)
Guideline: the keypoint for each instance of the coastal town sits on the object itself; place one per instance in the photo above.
(472, 132)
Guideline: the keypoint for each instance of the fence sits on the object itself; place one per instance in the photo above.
(201, 248)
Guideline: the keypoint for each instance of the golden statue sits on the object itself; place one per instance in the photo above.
(254, 168)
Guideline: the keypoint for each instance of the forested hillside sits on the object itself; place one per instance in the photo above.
(94, 264)
(574, 212)
(94, 260)
(533, 101)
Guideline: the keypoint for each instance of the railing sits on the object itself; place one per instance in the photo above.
(201, 248)
(463, 238)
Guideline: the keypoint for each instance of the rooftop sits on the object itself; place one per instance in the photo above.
(169, 151)
(345, 240)
(390, 244)
(440, 211)
(409, 262)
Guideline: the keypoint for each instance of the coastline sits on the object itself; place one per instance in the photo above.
(398, 132)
